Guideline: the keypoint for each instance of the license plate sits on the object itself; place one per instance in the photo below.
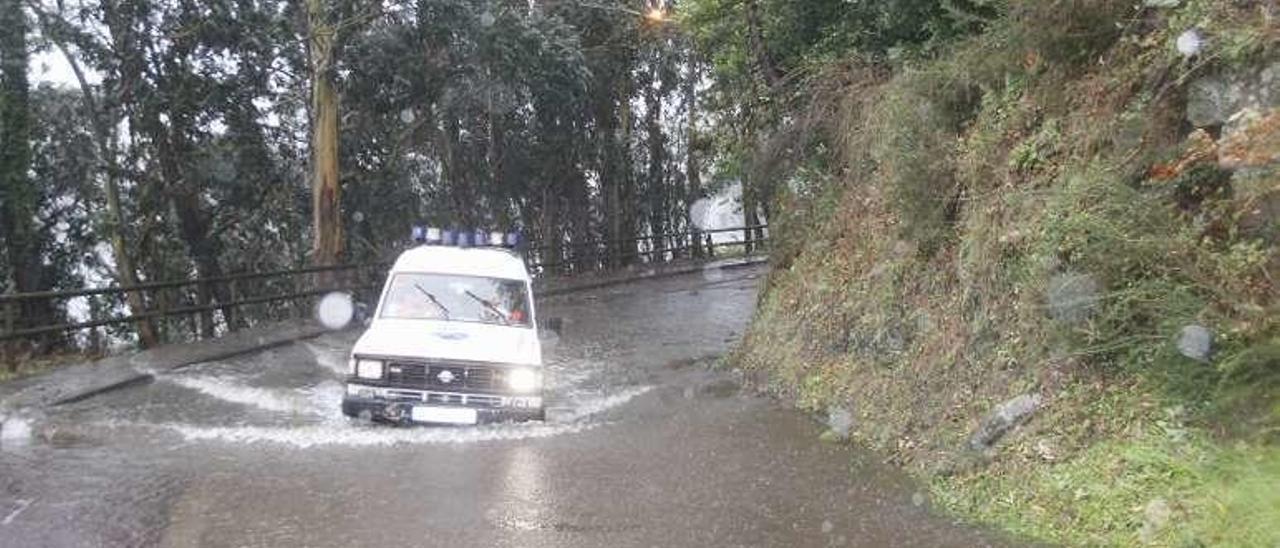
(444, 415)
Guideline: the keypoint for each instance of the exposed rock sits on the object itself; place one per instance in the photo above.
(1213, 100)
(1002, 419)
(840, 422)
(1260, 220)
(1196, 342)
(1199, 149)
(1251, 139)
(1045, 450)
(893, 341)
(1155, 515)
(1072, 297)
(1161, 3)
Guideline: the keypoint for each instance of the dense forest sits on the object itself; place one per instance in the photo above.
(195, 139)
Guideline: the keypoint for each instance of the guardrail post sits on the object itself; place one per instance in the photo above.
(10, 322)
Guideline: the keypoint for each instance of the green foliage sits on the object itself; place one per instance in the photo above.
(487, 114)
(763, 51)
(1034, 152)
(1238, 503)
(1134, 245)
(1248, 394)
(916, 125)
(1216, 496)
(1066, 33)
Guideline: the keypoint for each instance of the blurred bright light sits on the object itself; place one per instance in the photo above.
(1189, 43)
(524, 380)
(335, 310)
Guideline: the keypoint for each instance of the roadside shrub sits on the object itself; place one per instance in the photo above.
(1249, 391)
(1067, 33)
(916, 126)
(1131, 242)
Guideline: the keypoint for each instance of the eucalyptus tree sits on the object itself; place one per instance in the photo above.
(20, 245)
(224, 133)
(78, 48)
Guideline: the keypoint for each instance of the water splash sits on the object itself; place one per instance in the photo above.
(339, 431)
(15, 431)
(374, 435)
(262, 398)
(332, 359)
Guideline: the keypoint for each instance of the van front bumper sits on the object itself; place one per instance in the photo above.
(396, 405)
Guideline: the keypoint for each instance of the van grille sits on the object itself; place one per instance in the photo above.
(439, 398)
(419, 375)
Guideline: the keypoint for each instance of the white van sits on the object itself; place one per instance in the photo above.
(453, 339)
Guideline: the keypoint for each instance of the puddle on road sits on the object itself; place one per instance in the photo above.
(301, 407)
(339, 430)
(292, 395)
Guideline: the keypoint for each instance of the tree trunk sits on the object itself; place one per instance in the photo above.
(693, 169)
(194, 225)
(326, 191)
(610, 173)
(551, 236)
(627, 192)
(126, 272)
(584, 257)
(18, 197)
(772, 76)
(454, 172)
(761, 57)
(749, 216)
(657, 162)
(19, 200)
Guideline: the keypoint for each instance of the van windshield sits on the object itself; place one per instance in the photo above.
(415, 296)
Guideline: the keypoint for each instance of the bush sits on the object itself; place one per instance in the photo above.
(916, 126)
(1249, 391)
(1068, 33)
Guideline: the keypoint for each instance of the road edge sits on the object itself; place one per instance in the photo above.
(119, 372)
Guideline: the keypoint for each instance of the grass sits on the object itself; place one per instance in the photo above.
(1216, 495)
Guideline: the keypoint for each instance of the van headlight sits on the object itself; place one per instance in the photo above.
(524, 380)
(369, 369)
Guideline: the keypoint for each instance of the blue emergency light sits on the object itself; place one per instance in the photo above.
(464, 238)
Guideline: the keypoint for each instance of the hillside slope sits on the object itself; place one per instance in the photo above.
(1040, 272)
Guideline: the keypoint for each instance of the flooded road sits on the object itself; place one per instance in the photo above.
(644, 446)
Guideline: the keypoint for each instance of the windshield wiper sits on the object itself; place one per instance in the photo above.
(492, 307)
(433, 300)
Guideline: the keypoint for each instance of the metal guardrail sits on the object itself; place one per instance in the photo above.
(224, 294)
(194, 302)
(599, 255)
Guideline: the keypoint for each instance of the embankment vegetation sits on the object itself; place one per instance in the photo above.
(1077, 202)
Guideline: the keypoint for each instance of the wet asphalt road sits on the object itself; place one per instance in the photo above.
(644, 446)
